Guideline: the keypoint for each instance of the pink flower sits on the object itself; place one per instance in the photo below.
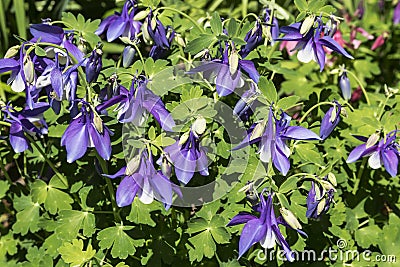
(289, 45)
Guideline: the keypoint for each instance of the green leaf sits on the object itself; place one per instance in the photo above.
(268, 89)
(197, 225)
(216, 24)
(122, 244)
(8, 245)
(288, 102)
(84, 28)
(232, 27)
(74, 254)
(200, 43)
(301, 5)
(203, 246)
(71, 221)
(40, 51)
(152, 133)
(283, 200)
(4, 186)
(28, 215)
(288, 185)
(163, 140)
(367, 236)
(140, 213)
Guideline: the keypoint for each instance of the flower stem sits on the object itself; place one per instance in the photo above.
(110, 188)
(51, 164)
(362, 87)
(359, 175)
(185, 15)
(313, 107)
(139, 53)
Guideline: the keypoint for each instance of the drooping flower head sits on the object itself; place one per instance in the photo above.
(263, 229)
(121, 24)
(319, 198)
(330, 120)
(28, 121)
(253, 39)
(94, 64)
(226, 72)
(187, 155)
(383, 152)
(86, 130)
(141, 178)
(310, 41)
(344, 85)
(135, 103)
(271, 135)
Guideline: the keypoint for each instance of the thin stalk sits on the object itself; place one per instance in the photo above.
(51, 164)
(110, 188)
(362, 87)
(185, 15)
(245, 3)
(313, 107)
(359, 175)
(3, 168)
(139, 53)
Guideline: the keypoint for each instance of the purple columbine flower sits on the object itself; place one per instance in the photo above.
(344, 84)
(274, 31)
(263, 229)
(157, 31)
(226, 76)
(310, 44)
(272, 135)
(133, 105)
(121, 24)
(396, 14)
(330, 120)
(56, 35)
(244, 107)
(94, 65)
(141, 178)
(253, 39)
(319, 199)
(29, 121)
(187, 155)
(86, 130)
(157, 52)
(385, 152)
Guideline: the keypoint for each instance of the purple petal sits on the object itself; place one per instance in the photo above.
(252, 232)
(47, 33)
(115, 29)
(390, 161)
(156, 107)
(126, 191)
(288, 252)
(356, 153)
(163, 188)
(7, 64)
(119, 173)
(56, 79)
(299, 133)
(75, 140)
(332, 44)
(250, 69)
(17, 138)
(242, 217)
(101, 141)
(281, 162)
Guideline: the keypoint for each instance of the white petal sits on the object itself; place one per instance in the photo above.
(18, 84)
(374, 160)
(146, 194)
(268, 240)
(306, 54)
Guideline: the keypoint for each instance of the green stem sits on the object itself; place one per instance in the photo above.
(51, 164)
(185, 15)
(139, 53)
(3, 168)
(362, 87)
(5, 123)
(383, 107)
(313, 107)
(245, 3)
(110, 188)
(359, 175)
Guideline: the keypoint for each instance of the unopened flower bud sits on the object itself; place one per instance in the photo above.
(12, 51)
(332, 179)
(307, 24)
(290, 218)
(344, 84)
(94, 65)
(372, 140)
(233, 62)
(184, 138)
(199, 126)
(29, 70)
(128, 55)
(132, 165)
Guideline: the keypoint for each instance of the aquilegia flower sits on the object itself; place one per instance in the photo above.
(272, 135)
(385, 152)
(226, 73)
(133, 105)
(141, 178)
(330, 120)
(121, 24)
(319, 199)
(310, 44)
(187, 155)
(263, 229)
(86, 130)
(253, 38)
(29, 121)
